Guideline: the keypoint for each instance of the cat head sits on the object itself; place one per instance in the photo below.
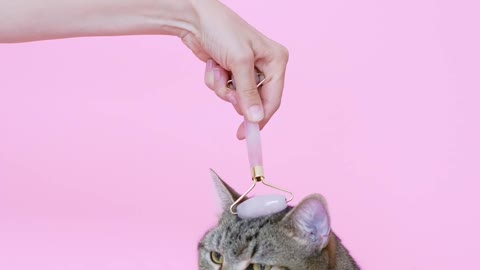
(295, 238)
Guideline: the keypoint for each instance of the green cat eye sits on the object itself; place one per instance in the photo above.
(216, 257)
(257, 266)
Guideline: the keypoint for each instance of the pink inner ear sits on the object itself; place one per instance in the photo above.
(312, 219)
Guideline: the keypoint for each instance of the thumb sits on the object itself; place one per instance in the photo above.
(246, 88)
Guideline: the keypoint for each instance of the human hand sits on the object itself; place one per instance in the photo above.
(229, 45)
(209, 28)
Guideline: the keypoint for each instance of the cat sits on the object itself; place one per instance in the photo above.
(297, 238)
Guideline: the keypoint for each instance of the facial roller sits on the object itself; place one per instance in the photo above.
(264, 204)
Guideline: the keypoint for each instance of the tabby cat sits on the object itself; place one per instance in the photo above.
(298, 238)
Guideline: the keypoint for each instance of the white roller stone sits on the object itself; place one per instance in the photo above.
(262, 205)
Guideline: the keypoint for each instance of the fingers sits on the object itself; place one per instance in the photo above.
(250, 102)
(257, 106)
(241, 131)
(271, 91)
(208, 76)
(216, 79)
(193, 44)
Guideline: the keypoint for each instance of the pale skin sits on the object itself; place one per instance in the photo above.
(214, 33)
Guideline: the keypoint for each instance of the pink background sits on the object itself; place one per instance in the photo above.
(105, 143)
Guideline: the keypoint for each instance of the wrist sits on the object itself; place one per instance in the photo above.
(176, 17)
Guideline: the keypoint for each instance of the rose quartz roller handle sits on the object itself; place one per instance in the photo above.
(252, 132)
(254, 145)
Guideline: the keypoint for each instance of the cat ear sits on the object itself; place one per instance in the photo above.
(309, 221)
(226, 194)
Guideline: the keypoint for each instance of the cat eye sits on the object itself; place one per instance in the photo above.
(216, 257)
(257, 266)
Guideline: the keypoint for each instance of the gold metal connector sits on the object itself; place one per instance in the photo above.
(257, 173)
(257, 176)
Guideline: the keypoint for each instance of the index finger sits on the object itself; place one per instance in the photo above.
(270, 93)
(246, 88)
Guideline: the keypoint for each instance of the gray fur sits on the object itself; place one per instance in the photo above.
(278, 240)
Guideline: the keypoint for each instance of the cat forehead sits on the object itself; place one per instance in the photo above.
(233, 232)
(231, 220)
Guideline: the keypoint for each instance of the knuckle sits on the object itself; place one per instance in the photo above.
(220, 93)
(243, 58)
(249, 93)
(283, 53)
(276, 106)
(273, 108)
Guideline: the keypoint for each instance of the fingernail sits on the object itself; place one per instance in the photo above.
(255, 113)
(241, 134)
(216, 74)
(209, 65)
(231, 98)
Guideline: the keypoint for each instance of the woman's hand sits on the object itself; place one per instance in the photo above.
(228, 44)
(210, 29)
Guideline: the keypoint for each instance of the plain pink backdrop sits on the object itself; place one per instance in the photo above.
(105, 143)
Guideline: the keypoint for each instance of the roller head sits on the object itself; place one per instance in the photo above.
(261, 206)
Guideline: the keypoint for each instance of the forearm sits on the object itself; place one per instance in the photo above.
(30, 20)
